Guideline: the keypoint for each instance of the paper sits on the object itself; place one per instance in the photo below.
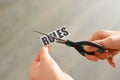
(59, 33)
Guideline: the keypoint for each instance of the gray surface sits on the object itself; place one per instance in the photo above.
(19, 44)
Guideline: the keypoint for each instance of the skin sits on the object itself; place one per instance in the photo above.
(45, 68)
(111, 42)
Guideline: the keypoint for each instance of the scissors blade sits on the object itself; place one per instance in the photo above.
(59, 40)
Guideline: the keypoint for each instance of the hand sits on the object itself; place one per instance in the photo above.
(111, 42)
(45, 68)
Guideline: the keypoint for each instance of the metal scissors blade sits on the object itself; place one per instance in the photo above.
(59, 40)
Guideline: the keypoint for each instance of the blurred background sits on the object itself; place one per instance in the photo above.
(19, 44)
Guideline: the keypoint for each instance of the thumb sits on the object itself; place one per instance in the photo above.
(44, 54)
(104, 42)
(47, 61)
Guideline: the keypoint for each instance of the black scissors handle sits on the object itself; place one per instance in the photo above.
(79, 46)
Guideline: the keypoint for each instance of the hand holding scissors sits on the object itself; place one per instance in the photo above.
(79, 46)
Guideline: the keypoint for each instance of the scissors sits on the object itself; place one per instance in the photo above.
(79, 46)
